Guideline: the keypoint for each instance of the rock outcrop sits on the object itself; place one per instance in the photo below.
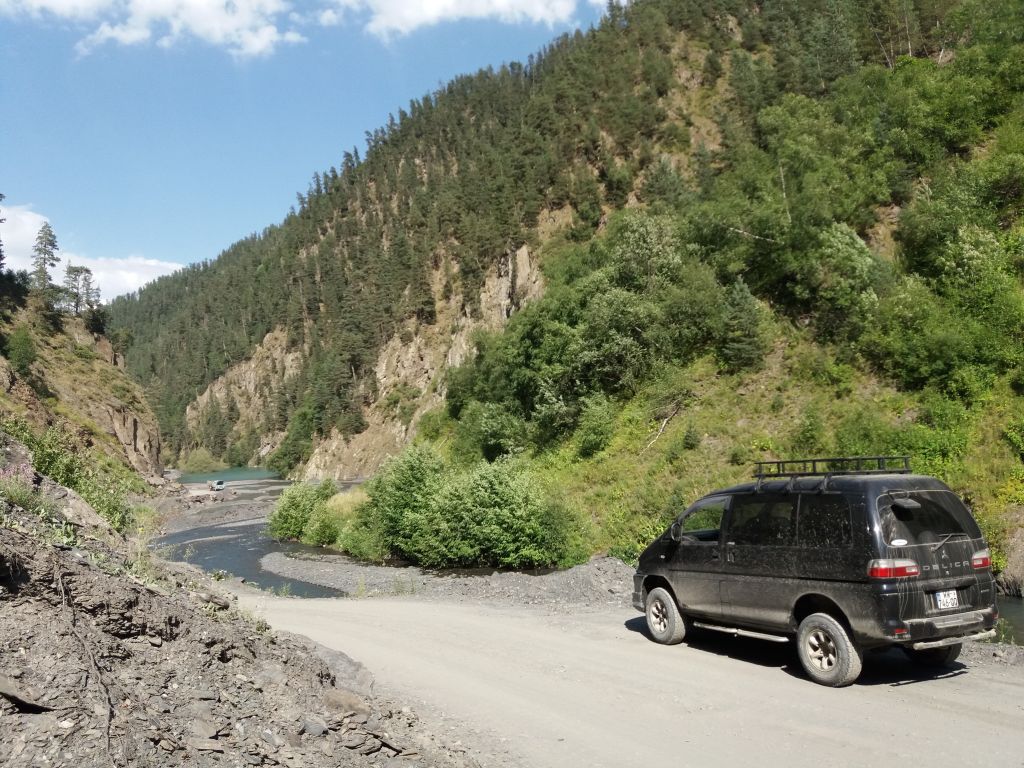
(251, 384)
(410, 369)
(96, 398)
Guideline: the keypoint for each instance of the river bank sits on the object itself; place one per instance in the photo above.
(223, 533)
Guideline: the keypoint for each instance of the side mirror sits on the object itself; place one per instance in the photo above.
(676, 532)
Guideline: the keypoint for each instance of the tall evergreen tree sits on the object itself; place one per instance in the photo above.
(44, 256)
(743, 344)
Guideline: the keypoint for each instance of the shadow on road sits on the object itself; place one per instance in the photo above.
(890, 667)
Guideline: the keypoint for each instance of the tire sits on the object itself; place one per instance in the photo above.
(943, 656)
(666, 625)
(827, 653)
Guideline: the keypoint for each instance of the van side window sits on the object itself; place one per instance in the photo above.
(825, 522)
(704, 516)
(763, 520)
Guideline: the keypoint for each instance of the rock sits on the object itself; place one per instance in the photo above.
(354, 740)
(155, 641)
(313, 726)
(204, 694)
(19, 697)
(165, 745)
(205, 745)
(372, 745)
(342, 700)
(204, 729)
(215, 600)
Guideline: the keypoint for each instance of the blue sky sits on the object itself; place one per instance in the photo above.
(155, 133)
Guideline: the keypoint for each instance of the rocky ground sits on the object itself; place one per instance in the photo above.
(107, 659)
(601, 582)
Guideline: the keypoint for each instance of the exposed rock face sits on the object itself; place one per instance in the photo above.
(252, 383)
(139, 437)
(409, 372)
(95, 396)
(418, 364)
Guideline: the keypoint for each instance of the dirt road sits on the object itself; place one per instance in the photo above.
(540, 688)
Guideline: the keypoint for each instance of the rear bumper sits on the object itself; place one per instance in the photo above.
(926, 644)
(938, 631)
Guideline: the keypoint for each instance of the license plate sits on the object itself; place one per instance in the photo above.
(946, 599)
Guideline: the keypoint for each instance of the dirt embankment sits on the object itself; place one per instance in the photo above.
(99, 667)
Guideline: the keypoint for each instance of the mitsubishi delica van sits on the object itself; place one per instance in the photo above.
(839, 555)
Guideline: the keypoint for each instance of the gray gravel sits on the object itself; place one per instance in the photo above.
(604, 581)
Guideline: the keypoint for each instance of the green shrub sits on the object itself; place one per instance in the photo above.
(596, 426)
(57, 455)
(329, 522)
(1014, 434)
(488, 430)
(296, 507)
(201, 460)
(21, 350)
(426, 512)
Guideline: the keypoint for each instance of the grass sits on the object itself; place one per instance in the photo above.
(632, 489)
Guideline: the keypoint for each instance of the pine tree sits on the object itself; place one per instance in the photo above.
(44, 256)
(90, 291)
(743, 345)
(72, 298)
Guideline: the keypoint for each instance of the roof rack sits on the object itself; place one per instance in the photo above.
(830, 467)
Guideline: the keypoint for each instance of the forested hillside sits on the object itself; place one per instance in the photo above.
(789, 227)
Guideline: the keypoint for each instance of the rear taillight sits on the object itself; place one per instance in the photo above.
(982, 559)
(893, 569)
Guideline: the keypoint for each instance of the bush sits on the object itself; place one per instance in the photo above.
(201, 460)
(56, 455)
(488, 430)
(21, 350)
(426, 512)
(596, 426)
(296, 507)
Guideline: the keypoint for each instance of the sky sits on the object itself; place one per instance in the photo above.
(155, 133)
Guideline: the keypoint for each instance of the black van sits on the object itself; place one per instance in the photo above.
(841, 555)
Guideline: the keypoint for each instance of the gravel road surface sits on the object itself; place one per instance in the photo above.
(546, 686)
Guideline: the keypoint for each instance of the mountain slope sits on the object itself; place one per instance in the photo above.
(702, 185)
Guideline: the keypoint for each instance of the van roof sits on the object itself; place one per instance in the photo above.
(872, 484)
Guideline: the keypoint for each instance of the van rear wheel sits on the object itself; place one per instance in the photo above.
(936, 657)
(665, 623)
(827, 653)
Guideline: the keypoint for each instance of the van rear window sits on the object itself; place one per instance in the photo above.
(940, 513)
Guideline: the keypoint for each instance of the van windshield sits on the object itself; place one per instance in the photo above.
(940, 514)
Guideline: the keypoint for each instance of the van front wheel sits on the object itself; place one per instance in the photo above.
(827, 653)
(664, 621)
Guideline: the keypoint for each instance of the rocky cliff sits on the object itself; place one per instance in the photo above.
(409, 371)
(251, 385)
(410, 368)
(76, 378)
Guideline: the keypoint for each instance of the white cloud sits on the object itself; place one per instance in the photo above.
(114, 276)
(387, 17)
(246, 28)
(250, 28)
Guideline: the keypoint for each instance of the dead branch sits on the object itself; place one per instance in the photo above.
(661, 431)
(752, 235)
